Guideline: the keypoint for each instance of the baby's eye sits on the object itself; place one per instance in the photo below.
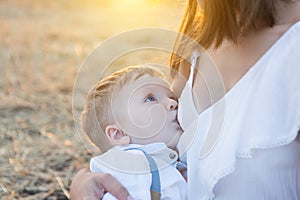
(150, 98)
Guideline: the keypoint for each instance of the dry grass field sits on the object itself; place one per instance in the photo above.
(42, 45)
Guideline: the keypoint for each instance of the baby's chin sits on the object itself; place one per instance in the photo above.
(173, 143)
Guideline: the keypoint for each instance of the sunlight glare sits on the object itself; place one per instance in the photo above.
(135, 3)
(138, 3)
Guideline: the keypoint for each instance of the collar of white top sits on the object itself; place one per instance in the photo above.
(134, 160)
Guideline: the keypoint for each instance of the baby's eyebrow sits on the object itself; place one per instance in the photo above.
(147, 88)
(142, 92)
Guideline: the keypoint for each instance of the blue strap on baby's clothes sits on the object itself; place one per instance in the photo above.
(155, 185)
(182, 168)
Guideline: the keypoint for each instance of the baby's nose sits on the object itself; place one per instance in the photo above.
(173, 104)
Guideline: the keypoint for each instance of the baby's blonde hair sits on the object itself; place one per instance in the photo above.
(97, 113)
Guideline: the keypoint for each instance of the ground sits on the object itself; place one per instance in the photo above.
(42, 45)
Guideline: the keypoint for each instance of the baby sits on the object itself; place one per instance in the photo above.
(131, 116)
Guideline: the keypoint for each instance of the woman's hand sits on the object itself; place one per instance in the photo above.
(92, 186)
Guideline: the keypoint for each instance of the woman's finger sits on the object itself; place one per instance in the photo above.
(111, 185)
(92, 186)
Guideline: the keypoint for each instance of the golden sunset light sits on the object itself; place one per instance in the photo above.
(149, 99)
(43, 44)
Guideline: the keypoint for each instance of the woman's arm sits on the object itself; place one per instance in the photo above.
(92, 186)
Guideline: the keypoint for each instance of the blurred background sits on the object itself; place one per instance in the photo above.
(42, 45)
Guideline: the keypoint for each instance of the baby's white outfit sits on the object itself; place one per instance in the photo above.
(131, 169)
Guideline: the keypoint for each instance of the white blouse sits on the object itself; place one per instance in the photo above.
(251, 151)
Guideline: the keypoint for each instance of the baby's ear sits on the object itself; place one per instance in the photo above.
(116, 135)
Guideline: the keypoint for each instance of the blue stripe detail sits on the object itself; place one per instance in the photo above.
(155, 185)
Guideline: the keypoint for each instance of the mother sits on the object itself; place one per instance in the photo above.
(255, 46)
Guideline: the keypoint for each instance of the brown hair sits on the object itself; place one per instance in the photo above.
(97, 113)
(221, 19)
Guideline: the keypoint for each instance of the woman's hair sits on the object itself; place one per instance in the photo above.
(97, 113)
(217, 20)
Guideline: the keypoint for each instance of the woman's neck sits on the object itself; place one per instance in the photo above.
(287, 13)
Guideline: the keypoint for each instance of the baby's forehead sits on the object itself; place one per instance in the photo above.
(147, 81)
(142, 83)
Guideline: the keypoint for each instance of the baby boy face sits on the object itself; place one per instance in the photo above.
(146, 110)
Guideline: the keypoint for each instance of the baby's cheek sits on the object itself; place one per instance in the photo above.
(149, 122)
(158, 117)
